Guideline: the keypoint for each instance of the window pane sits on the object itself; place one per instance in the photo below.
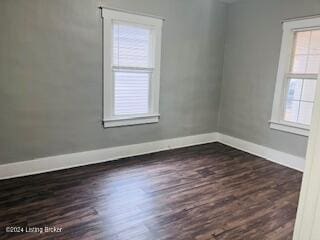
(294, 89)
(131, 93)
(309, 90)
(315, 42)
(291, 111)
(131, 46)
(302, 42)
(313, 64)
(305, 113)
(299, 64)
(306, 52)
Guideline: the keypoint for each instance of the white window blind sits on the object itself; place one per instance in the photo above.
(132, 69)
(131, 93)
(132, 52)
(131, 46)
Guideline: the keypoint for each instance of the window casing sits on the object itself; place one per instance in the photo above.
(132, 51)
(297, 76)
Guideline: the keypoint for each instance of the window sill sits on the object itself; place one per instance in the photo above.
(129, 121)
(289, 128)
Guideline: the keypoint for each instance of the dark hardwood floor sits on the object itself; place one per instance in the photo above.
(206, 192)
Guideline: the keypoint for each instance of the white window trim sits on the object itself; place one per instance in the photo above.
(289, 28)
(110, 15)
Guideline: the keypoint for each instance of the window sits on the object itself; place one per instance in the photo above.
(132, 49)
(297, 76)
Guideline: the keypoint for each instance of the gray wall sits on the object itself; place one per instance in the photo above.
(251, 57)
(51, 75)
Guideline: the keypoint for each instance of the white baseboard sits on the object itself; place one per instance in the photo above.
(48, 164)
(53, 163)
(270, 154)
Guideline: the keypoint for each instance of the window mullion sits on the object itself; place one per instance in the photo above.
(300, 98)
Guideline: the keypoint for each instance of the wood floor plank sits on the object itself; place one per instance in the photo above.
(205, 192)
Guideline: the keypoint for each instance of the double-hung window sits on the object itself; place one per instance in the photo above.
(132, 49)
(297, 76)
